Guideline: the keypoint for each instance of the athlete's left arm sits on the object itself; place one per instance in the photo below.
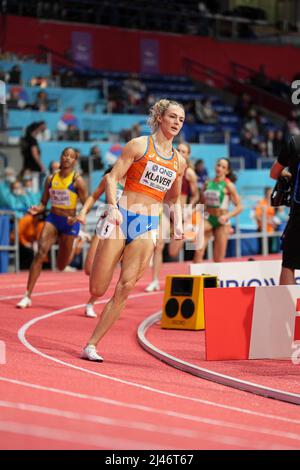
(81, 188)
(194, 191)
(172, 198)
(235, 198)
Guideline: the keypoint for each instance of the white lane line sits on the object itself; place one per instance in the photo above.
(40, 294)
(26, 326)
(40, 283)
(162, 412)
(140, 426)
(58, 434)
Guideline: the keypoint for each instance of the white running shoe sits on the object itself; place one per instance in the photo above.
(24, 303)
(90, 353)
(154, 285)
(89, 311)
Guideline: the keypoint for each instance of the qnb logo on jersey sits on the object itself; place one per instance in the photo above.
(162, 170)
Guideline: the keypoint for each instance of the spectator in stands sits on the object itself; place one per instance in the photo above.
(270, 143)
(27, 183)
(262, 149)
(205, 112)
(42, 82)
(134, 91)
(72, 133)
(44, 133)
(16, 98)
(30, 229)
(263, 210)
(17, 200)
(247, 139)
(15, 75)
(243, 105)
(132, 133)
(30, 149)
(201, 172)
(278, 140)
(41, 103)
(66, 120)
(95, 154)
(67, 78)
(252, 124)
(9, 177)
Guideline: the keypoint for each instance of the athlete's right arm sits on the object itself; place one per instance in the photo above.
(81, 217)
(133, 150)
(34, 210)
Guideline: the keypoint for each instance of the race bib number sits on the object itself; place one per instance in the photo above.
(104, 227)
(158, 177)
(60, 197)
(212, 198)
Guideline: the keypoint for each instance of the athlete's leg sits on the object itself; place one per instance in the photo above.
(47, 239)
(135, 260)
(163, 235)
(175, 247)
(65, 250)
(157, 262)
(107, 256)
(220, 244)
(95, 243)
(91, 254)
(199, 254)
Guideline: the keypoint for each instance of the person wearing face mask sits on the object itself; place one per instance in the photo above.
(9, 177)
(17, 200)
(33, 196)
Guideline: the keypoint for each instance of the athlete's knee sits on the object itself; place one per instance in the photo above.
(124, 287)
(42, 252)
(97, 291)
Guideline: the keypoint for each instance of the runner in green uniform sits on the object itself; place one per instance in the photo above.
(217, 195)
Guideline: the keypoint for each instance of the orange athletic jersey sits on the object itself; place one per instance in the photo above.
(153, 174)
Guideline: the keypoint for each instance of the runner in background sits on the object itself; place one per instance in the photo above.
(63, 188)
(189, 195)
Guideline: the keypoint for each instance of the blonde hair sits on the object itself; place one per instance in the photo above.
(159, 109)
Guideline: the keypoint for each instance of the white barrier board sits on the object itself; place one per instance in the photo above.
(243, 273)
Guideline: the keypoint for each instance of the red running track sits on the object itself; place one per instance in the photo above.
(52, 399)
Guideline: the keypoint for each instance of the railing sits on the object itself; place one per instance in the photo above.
(237, 84)
(14, 248)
